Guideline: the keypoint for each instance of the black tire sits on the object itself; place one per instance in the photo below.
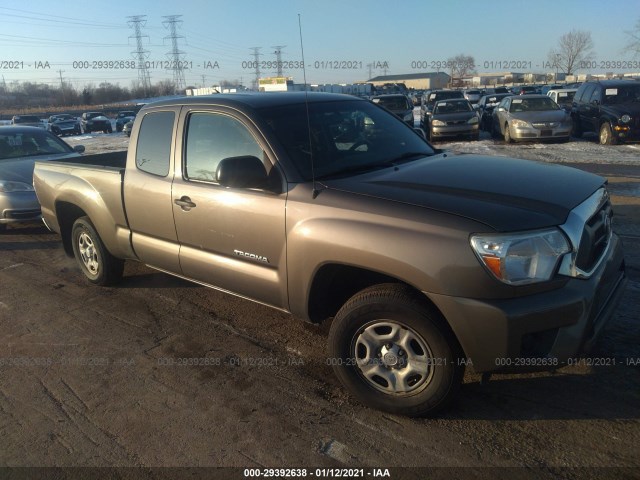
(417, 337)
(507, 134)
(606, 136)
(97, 264)
(495, 131)
(576, 129)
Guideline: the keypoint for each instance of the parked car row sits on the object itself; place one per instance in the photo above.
(608, 108)
(66, 124)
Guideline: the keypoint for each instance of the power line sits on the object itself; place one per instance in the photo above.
(137, 22)
(175, 54)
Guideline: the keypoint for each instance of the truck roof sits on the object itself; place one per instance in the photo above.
(257, 99)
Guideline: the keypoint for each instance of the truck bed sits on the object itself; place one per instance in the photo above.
(107, 160)
(92, 183)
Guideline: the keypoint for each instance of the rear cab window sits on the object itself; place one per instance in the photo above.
(153, 150)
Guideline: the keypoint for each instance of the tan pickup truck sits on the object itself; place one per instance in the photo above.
(330, 206)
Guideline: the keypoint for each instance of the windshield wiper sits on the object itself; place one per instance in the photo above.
(407, 156)
(394, 162)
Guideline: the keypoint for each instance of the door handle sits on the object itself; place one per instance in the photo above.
(185, 203)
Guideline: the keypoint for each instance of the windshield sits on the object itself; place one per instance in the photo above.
(345, 136)
(623, 94)
(28, 144)
(452, 107)
(444, 96)
(392, 103)
(63, 118)
(532, 104)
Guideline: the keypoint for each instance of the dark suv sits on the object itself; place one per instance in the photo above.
(95, 122)
(610, 108)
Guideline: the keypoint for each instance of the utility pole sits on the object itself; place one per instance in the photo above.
(137, 22)
(204, 80)
(171, 22)
(64, 101)
(278, 53)
(256, 61)
(370, 67)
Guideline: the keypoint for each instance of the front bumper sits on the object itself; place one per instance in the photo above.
(19, 207)
(532, 133)
(455, 130)
(540, 331)
(626, 133)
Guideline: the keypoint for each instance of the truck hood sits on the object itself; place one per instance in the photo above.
(506, 194)
(21, 169)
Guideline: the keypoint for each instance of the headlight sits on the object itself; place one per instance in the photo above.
(437, 123)
(519, 123)
(625, 118)
(521, 258)
(7, 186)
(473, 120)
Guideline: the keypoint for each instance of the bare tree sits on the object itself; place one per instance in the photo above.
(573, 48)
(461, 66)
(634, 40)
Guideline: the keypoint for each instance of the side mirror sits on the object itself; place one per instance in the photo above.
(245, 171)
(79, 148)
(420, 132)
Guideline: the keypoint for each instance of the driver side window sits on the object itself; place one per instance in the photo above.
(212, 137)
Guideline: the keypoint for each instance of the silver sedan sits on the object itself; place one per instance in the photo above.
(531, 117)
(20, 147)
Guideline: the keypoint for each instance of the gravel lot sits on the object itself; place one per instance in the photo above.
(90, 376)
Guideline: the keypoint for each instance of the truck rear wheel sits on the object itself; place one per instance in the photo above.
(393, 352)
(97, 264)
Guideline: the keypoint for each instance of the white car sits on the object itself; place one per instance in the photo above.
(563, 96)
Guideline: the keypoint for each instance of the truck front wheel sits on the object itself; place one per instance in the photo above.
(394, 353)
(97, 264)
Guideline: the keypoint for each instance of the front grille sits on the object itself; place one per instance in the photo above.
(546, 124)
(595, 238)
(457, 122)
(21, 214)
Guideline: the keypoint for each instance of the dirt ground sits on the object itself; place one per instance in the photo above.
(159, 372)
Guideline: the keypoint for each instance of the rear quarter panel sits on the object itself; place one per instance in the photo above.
(97, 191)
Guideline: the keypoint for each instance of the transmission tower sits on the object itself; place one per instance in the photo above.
(256, 59)
(137, 22)
(171, 22)
(278, 54)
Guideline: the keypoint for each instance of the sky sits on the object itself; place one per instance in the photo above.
(46, 41)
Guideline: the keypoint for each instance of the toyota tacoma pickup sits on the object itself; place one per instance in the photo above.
(329, 206)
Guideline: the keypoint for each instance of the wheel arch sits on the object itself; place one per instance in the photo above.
(67, 213)
(334, 284)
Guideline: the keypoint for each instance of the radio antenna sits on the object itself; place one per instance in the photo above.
(306, 103)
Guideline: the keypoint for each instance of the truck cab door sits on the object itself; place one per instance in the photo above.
(231, 238)
(147, 190)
